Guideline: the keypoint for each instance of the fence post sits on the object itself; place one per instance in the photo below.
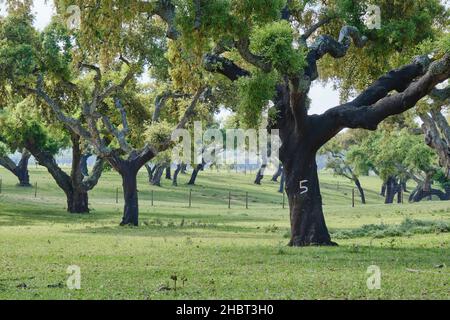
(246, 200)
(229, 200)
(190, 198)
(35, 189)
(353, 197)
(152, 199)
(284, 199)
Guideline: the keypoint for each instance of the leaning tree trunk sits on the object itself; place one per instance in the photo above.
(383, 190)
(278, 173)
(361, 191)
(195, 172)
(260, 174)
(20, 170)
(308, 226)
(157, 175)
(175, 175)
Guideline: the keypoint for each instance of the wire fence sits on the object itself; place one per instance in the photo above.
(182, 197)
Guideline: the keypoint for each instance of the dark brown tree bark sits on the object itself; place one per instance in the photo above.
(84, 164)
(195, 172)
(75, 185)
(391, 190)
(157, 175)
(20, 170)
(128, 169)
(175, 175)
(282, 182)
(302, 135)
(168, 172)
(278, 173)
(260, 174)
(305, 201)
(361, 190)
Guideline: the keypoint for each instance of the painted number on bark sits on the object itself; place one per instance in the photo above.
(303, 188)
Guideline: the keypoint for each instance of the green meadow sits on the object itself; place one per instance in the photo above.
(208, 251)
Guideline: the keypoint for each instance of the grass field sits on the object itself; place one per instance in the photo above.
(221, 253)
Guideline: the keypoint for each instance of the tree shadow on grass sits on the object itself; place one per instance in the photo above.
(197, 230)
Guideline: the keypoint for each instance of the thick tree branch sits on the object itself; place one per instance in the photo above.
(224, 66)
(442, 95)
(242, 45)
(165, 9)
(323, 21)
(94, 177)
(190, 111)
(337, 49)
(161, 100)
(7, 163)
(72, 123)
(353, 115)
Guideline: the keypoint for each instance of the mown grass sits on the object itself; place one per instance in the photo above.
(222, 253)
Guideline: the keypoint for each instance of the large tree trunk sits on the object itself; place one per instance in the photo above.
(78, 201)
(260, 174)
(361, 190)
(130, 195)
(175, 175)
(77, 196)
(391, 190)
(308, 226)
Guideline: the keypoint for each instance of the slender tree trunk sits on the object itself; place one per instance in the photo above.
(282, 182)
(150, 172)
(308, 226)
(168, 173)
(361, 190)
(175, 175)
(383, 189)
(278, 173)
(194, 175)
(22, 169)
(130, 195)
(260, 174)
(157, 175)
